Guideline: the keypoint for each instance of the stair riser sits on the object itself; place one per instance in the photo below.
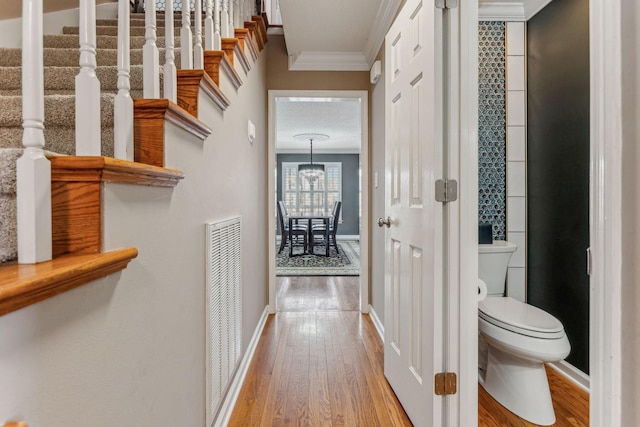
(70, 57)
(103, 42)
(113, 31)
(59, 140)
(63, 79)
(136, 22)
(59, 110)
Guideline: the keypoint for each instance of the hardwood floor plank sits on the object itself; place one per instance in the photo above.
(321, 363)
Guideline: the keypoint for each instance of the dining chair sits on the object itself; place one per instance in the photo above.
(296, 230)
(329, 239)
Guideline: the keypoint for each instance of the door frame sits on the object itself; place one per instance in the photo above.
(605, 206)
(363, 95)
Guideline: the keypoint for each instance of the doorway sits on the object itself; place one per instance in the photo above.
(294, 103)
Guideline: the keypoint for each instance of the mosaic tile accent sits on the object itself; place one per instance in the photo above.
(177, 5)
(492, 133)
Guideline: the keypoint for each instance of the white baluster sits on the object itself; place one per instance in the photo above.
(224, 19)
(33, 168)
(170, 74)
(88, 130)
(208, 25)
(198, 54)
(123, 106)
(217, 43)
(185, 35)
(150, 55)
(232, 19)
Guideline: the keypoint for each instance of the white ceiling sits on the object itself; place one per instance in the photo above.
(337, 117)
(346, 35)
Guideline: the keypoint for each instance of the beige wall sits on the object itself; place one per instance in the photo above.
(630, 212)
(13, 8)
(377, 194)
(280, 78)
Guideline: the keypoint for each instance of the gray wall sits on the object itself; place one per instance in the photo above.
(350, 182)
(558, 168)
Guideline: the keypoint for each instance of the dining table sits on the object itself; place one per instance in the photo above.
(296, 219)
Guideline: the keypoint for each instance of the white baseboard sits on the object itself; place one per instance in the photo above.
(230, 398)
(376, 322)
(573, 374)
(52, 23)
(348, 237)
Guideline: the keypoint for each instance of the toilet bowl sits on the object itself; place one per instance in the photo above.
(516, 339)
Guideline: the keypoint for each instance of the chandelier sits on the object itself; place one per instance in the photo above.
(312, 172)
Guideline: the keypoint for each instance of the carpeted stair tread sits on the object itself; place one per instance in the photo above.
(57, 139)
(70, 57)
(103, 42)
(113, 31)
(136, 22)
(63, 78)
(59, 110)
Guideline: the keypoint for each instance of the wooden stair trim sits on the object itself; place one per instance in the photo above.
(149, 116)
(214, 60)
(255, 33)
(76, 197)
(233, 49)
(262, 26)
(24, 284)
(244, 37)
(15, 424)
(108, 169)
(189, 84)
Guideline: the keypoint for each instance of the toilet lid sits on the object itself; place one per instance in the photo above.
(519, 317)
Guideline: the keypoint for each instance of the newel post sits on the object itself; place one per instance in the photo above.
(88, 129)
(33, 168)
(123, 105)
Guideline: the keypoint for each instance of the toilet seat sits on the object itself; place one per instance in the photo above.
(520, 318)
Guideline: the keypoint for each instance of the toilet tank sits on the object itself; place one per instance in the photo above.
(493, 260)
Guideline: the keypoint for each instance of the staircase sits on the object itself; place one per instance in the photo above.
(76, 229)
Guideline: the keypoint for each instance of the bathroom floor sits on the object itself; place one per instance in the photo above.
(570, 403)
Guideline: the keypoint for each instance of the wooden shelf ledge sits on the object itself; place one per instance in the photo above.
(149, 116)
(25, 284)
(189, 84)
(216, 61)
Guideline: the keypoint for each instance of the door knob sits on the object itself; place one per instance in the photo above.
(386, 222)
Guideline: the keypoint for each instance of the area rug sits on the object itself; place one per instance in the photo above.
(346, 263)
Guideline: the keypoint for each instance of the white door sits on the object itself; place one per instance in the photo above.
(413, 318)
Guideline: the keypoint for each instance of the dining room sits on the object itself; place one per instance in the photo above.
(318, 200)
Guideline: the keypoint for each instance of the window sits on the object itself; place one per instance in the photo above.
(302, 198)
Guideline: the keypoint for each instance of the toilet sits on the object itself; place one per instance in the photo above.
(515, 341)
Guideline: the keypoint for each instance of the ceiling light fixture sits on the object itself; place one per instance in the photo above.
(312, 172)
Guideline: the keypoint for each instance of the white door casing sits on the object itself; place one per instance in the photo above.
(413, 318)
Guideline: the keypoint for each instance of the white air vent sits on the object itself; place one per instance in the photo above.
(224, 308)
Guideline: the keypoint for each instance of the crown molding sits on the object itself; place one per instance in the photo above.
(386, 13)
(328, 61)
(492, 10)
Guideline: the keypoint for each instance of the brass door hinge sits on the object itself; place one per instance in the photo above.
(446, 383)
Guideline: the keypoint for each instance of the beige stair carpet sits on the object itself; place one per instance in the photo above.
(61, 57)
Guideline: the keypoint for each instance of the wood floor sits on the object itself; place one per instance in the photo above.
(320, 362)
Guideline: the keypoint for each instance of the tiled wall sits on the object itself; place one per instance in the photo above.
(492, 127)
(502, 141)
(516, 158)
